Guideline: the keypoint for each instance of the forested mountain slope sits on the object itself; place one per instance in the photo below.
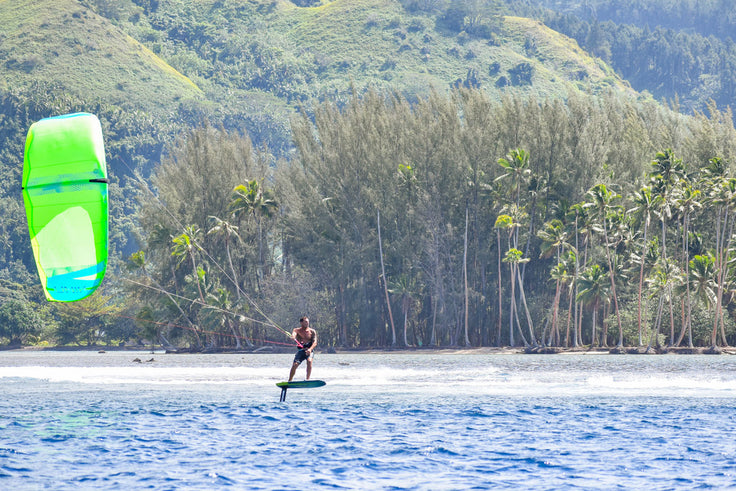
(715, 18)
(681, 50)
(150, 69)
(61, 46)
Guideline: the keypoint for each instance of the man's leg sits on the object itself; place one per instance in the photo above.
(293, 370)
(309, 368)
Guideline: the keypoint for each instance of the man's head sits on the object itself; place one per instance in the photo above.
(304, 321)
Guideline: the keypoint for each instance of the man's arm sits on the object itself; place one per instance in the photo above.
(296, 339)
(314, 341)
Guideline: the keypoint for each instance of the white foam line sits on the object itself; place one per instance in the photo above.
(143, 374)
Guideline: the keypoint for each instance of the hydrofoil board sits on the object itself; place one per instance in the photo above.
(299, 384)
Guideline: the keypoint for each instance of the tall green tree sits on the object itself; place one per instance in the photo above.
(645, 202)
(137, 264)
(515, 258)
(254, 200)
(185, 246)
(227, 232)
(701, 282)
(662, 282)
(666, 172)
(593, 291)
(602, 202)
(724, 199)
(85, 321)
(687, 203)
(19, 322)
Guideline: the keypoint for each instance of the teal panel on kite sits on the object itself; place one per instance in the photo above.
(65, 197)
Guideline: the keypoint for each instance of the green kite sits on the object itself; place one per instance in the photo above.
(65, 196)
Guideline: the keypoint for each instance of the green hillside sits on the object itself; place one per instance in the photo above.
(378, 43)
(249, 64)
(62, 44)
(298, 54)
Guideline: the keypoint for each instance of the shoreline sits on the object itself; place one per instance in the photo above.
(446, 350)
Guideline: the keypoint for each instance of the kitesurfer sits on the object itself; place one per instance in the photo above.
(306, 339)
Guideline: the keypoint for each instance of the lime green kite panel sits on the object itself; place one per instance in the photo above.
(65, 196)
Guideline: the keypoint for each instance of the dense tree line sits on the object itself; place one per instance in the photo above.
(456, 220)
(452, 220)
(207, 213)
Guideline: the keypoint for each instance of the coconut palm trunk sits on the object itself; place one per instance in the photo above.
(385, 282)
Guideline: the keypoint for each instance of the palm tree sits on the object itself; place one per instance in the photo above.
(554, 239)
(185, 247)
(666, 172)
(493, 192)
(558, 275)
(601, 202)
(666, 274)
(251, 199)
(219, 307)
(516, 167)
(623, 241)
(593, 291)
(715, 168)
(687, 203)
(724, 199)
(509, 223)
(505, 222)
(645, 203)
(569, 280)
(584, 225)
(515, 257)
(650, 259)
(137, 261)
(716, 182)
(701, 281)
(500, 286)
(227, 231)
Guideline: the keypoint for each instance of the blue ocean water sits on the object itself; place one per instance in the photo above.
(88, 420)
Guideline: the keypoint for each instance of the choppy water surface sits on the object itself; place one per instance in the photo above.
(88, 420)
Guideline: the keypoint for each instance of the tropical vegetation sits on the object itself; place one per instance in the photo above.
(517, 205)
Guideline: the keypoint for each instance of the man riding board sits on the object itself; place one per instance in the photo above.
(306, 339)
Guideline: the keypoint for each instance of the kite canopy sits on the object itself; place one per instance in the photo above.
(65, 196)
